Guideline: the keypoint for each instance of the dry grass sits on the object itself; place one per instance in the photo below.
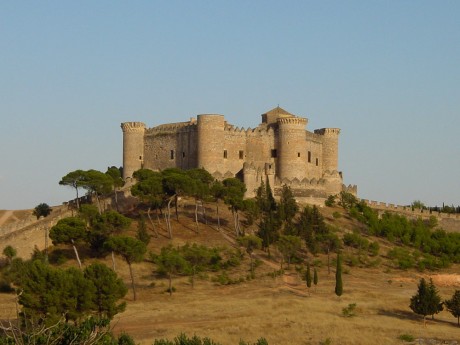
(279, 309)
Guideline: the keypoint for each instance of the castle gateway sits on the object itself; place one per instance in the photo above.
(280, 149)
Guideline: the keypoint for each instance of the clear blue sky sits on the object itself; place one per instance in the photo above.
(386, 72)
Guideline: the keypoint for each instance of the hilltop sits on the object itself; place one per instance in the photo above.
(276, 305)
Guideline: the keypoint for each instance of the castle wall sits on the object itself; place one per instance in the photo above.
(234, 151)
(314, 155)
(170, 147)
(282, 151)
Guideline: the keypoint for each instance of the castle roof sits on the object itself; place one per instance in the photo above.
(279, 112)
(271, 116)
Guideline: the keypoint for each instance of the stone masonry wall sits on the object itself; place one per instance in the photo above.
(284, 151)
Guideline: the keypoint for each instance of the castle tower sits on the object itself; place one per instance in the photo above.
(292, 152)
(133, 147)
(330, 148)
(210, 142)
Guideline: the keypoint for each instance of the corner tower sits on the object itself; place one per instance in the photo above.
(210, 141)
(292, 158)
(133, 147)
(330, 148)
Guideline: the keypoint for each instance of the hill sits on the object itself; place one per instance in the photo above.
(276, 305)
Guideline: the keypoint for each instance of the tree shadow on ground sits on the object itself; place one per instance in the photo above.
(408, 315)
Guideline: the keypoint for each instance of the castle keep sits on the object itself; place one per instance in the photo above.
(280, 149)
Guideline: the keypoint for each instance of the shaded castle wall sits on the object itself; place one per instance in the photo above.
(314, 155)
(171, 147)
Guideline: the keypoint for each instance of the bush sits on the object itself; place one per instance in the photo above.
(5, 287)
(349, 311)
(60, 256)
(351, 260)
(406, 337)
(355, 240)
(336, 215)
(401, 258)
(125, 339)
(374, 248)
(330, 201)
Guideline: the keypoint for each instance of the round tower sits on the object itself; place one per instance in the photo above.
(133, 147)
(292, 157)
(330, 148)
(210, 142)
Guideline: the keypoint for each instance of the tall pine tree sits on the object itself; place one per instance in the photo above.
(427, 300)
(453, 305)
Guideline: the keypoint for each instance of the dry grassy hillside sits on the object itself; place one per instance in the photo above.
(280, 308)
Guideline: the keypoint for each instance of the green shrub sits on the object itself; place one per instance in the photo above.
(317, 263)
(374, 248)
(336, 215)
(349, 311)
(355, 240)
(401, 258)
(406, 337)
(5, 287)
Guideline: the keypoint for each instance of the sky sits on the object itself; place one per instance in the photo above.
(386, 73)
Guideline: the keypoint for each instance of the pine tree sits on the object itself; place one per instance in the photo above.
(435, 299)
(308, 277)
(142, 234)
(426, 301)
(338, 277)
(315, 276)
(453, 305)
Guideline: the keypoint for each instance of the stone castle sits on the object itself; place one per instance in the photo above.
(280, 149)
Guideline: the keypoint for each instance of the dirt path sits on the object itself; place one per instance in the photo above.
(5, 216)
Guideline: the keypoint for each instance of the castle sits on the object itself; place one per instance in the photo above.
(280, 149)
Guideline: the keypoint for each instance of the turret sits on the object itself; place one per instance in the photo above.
(330, 148)
(292, 152)
(133, 147)
(210, 142)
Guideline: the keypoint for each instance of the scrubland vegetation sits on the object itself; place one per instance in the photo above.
(205, 266)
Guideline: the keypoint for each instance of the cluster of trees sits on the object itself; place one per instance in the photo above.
(417, 204)
(435, 248)
(96, 183)
(158, 190)
(47, 294)
(103, 233)
(427, 301)
(91, 331)
(190, 260)
(281, 224)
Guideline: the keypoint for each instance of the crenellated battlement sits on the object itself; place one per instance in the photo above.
(170, 127)
(408, 210)
(132, 127)
(249, 132)
(292, 121)
(327, 131)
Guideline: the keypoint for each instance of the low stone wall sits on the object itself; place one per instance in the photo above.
(407, 210)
